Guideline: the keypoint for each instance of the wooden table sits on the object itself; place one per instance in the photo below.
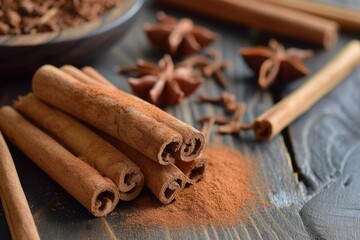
(312, 169)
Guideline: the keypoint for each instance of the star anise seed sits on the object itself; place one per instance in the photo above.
(226, 98)
(162, 84)
(216, 68)
(233, 126)
(181, 37)
(275, 64)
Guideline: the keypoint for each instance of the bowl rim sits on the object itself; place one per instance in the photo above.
(109, 20)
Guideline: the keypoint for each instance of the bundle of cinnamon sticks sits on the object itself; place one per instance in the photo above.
(100, 143)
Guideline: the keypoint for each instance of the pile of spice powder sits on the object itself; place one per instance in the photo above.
(223, 197)
(33, 16)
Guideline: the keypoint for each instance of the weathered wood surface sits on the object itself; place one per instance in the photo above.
(326, 150)
(59, 216)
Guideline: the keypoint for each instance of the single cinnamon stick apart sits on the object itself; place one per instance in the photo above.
(98, 194)
(165, 181)
(18, 215)
(287, 110)
(148, 129)
(86, 144)
(347, 19)
(267, 17)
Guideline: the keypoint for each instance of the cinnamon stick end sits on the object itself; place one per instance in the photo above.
(263, 130)
(191, 148)
(197, 171)
(170, 190)
(105, 201)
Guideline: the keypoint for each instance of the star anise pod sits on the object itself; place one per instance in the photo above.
(275, 64)
(226, 98)
(233, 126)
(178, 37)
(162, 84)
(216, 68)
(213, 66)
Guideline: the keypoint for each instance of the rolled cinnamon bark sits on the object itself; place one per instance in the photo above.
(98, 194)
(93, 73)
(77, 74)
(194, 170)
(193, 140)
(17, 212)
(267, 17)
(85, 144)
(165, 181)
(148, 129)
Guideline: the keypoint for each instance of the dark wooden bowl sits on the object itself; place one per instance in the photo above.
(23, 54)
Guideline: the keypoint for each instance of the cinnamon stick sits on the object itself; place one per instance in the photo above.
(79, 75)
(267, 17)
(173, 122)
(193, 170)
(98, 194)
(148, 129)
(93, 73)
(87, 75)
(165, 181)
(86, 144)
(18, 215)
(347, 18)
(287, 110)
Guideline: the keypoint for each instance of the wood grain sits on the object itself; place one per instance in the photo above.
(326, 148)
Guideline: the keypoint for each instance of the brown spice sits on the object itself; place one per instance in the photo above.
(181, 37)
(223, 197)
(162, 84)
(33, 16)
(211, 66)
(275, 64)
(216, 68)
(228, 99)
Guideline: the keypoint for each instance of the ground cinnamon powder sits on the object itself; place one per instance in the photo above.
(221, 198)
